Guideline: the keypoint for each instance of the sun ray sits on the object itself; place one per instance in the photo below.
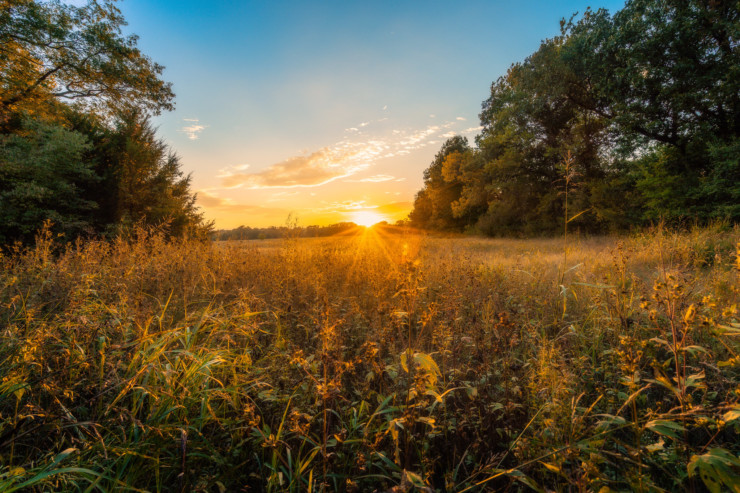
(367, 218)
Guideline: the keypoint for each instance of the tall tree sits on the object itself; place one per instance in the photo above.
(76, 146)
(433, 204)
(142, 179)
(43, 174)
(647, 104)
(667, 76)
(529, 124)
(53, 50)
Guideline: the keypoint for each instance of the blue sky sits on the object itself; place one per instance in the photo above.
(324, 109)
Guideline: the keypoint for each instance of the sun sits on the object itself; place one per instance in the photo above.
(367, 218)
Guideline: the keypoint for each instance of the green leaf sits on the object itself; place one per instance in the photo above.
(609, 421)
(663, 381)
(726, 330)
(662, 342)
(692, 350)
(413, 479)
(695, 380)
(523, 478)
(718, 470)
(665, 427)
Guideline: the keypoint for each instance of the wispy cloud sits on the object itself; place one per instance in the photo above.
(210, 201)
(404, 142)
(360, 127)
(472, 130)
(414, 140)
(374, 179)
(460, 119)
(342, 160)
(312, 170)
(194, 129)
(345, 206)
(278, 196)
(226, 172)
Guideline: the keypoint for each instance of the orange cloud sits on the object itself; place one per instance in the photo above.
(211, 202)
(342, 160)
(345, 206)
(374, 179)
(313, 170)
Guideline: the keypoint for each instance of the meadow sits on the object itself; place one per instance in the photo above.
(381, 359)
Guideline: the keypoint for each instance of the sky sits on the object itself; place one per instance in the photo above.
(328, 111)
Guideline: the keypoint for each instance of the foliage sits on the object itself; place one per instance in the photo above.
(665, 75)
(92, 179)
(54, 50)
(372, 361)
(646, 100)
(43, 172)
(273, 232)
(142, 179)
(76, 145)
(433, 204)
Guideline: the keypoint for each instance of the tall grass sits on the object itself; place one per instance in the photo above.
(372, 361)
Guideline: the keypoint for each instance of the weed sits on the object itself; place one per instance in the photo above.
(376, 360)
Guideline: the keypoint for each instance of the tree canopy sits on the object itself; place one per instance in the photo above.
(76, 145)
(55, 50)
(42, 177)
(646, 104)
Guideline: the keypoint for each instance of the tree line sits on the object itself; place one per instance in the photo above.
(290, 231)
(620, 120)
(76, 144)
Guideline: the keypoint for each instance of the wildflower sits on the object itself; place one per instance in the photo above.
(270, 442)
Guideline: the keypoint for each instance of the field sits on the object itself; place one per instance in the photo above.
(378, 360)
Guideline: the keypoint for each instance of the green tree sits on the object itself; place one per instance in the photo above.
(529, 123)
(42, 177)
(142, 179)
(55, 51)
(667, 76)
(433, 204)
(77, 146)
(647, 102)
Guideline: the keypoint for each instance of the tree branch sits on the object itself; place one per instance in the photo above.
(29, 89)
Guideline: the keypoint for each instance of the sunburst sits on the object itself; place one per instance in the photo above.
(367, 218)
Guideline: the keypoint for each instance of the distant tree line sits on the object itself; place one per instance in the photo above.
(76, 144)
(249, 233)
(635, 115)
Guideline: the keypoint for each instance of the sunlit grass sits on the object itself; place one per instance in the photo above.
(378, 358)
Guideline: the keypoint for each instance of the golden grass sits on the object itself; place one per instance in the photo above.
(374, 360)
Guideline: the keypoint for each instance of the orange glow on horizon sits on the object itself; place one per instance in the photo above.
(231, 211)
(367, 218)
